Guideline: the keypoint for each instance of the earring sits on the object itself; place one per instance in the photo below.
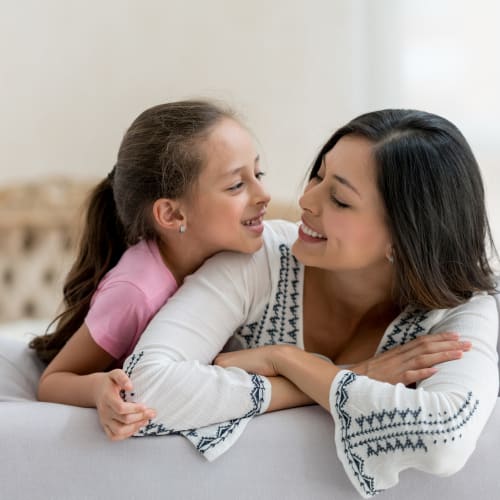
(390, 258)
(182, 229)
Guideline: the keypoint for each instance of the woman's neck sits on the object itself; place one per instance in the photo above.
(355, 295)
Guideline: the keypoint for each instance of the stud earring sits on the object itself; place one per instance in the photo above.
(182, 229)
(390, 258)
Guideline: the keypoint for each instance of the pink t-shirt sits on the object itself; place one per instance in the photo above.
(127, 298)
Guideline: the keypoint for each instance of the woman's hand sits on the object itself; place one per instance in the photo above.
(259, 360)
(414, 361)
(118, 418)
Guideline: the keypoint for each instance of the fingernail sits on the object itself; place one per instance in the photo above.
(466, 344)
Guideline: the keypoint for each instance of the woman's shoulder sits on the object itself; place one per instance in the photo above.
(476, 316)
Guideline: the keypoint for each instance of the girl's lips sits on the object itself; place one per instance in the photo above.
(255, 225)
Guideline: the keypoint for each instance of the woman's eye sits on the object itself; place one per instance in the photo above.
(259, 175)
(339, 203)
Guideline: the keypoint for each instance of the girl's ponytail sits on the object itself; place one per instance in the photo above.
(160, 156)
(101, 246)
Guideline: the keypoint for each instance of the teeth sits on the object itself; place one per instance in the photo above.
(253, 222)
(307, 230)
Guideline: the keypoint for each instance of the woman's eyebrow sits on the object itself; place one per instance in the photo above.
(345, 182)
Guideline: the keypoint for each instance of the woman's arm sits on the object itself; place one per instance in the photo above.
(381, 428)
(407, 364)
(75, 377)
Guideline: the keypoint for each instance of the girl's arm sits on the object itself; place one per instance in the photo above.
(76, 377)
(171, 367)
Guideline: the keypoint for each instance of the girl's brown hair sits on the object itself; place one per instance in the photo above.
(159, 157)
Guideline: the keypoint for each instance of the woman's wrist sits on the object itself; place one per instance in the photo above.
(283, 357)
(311, 374)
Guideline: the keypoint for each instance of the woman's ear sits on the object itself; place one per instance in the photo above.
(389, 254)
(168, 214)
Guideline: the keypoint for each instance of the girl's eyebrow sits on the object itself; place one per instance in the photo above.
(235, 171)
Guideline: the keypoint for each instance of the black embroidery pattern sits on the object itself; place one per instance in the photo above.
(394, 430)
(207, 437)
(355, 461)
(132, 362)
(215, 434)
(281, 326)
(408, 328)
(252, 333)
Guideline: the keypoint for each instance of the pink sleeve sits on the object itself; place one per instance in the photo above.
(118, 315)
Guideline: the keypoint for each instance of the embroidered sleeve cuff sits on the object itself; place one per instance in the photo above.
(264, 388)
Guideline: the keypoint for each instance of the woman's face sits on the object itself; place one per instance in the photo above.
(343, 224)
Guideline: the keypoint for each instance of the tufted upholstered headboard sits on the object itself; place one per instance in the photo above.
(39, 228)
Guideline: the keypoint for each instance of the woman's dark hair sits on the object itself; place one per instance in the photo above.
(433, 194)
(159, 157)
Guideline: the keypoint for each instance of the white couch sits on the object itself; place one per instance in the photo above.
(57, 452)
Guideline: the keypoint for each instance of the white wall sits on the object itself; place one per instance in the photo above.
(74, 74)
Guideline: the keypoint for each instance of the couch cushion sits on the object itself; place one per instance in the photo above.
(20, 370)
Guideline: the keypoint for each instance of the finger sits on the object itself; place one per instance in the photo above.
(120, 407)
(442, 346)
(120, 378)
(413, 376)
(428, 360)
(432, 346)
(430, 340)
(120, 431)
(133, 418)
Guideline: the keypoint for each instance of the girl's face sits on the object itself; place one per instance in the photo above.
(226, 209)
(343, 225)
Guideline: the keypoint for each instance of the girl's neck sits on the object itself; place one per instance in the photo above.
(180, 258)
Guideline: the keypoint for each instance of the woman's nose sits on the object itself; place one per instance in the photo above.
(309, 199)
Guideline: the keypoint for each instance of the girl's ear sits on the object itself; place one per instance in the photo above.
(168, 214)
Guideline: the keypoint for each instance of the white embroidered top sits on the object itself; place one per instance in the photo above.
(380, 429)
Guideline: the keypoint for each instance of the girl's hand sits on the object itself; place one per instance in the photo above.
(259, 360)
(118, 418)
(414, 361)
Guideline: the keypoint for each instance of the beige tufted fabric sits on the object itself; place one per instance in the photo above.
(38, 230)
(39, 227)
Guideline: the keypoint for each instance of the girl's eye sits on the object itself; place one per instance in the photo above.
(339, 203)
(259, 175)
(236, 186)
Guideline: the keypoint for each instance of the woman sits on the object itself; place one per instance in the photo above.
(391, 247)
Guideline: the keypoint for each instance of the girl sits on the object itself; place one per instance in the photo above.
(391, 247)
(187, 184)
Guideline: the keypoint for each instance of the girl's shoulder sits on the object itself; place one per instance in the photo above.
(141, 267)
(280, 231)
